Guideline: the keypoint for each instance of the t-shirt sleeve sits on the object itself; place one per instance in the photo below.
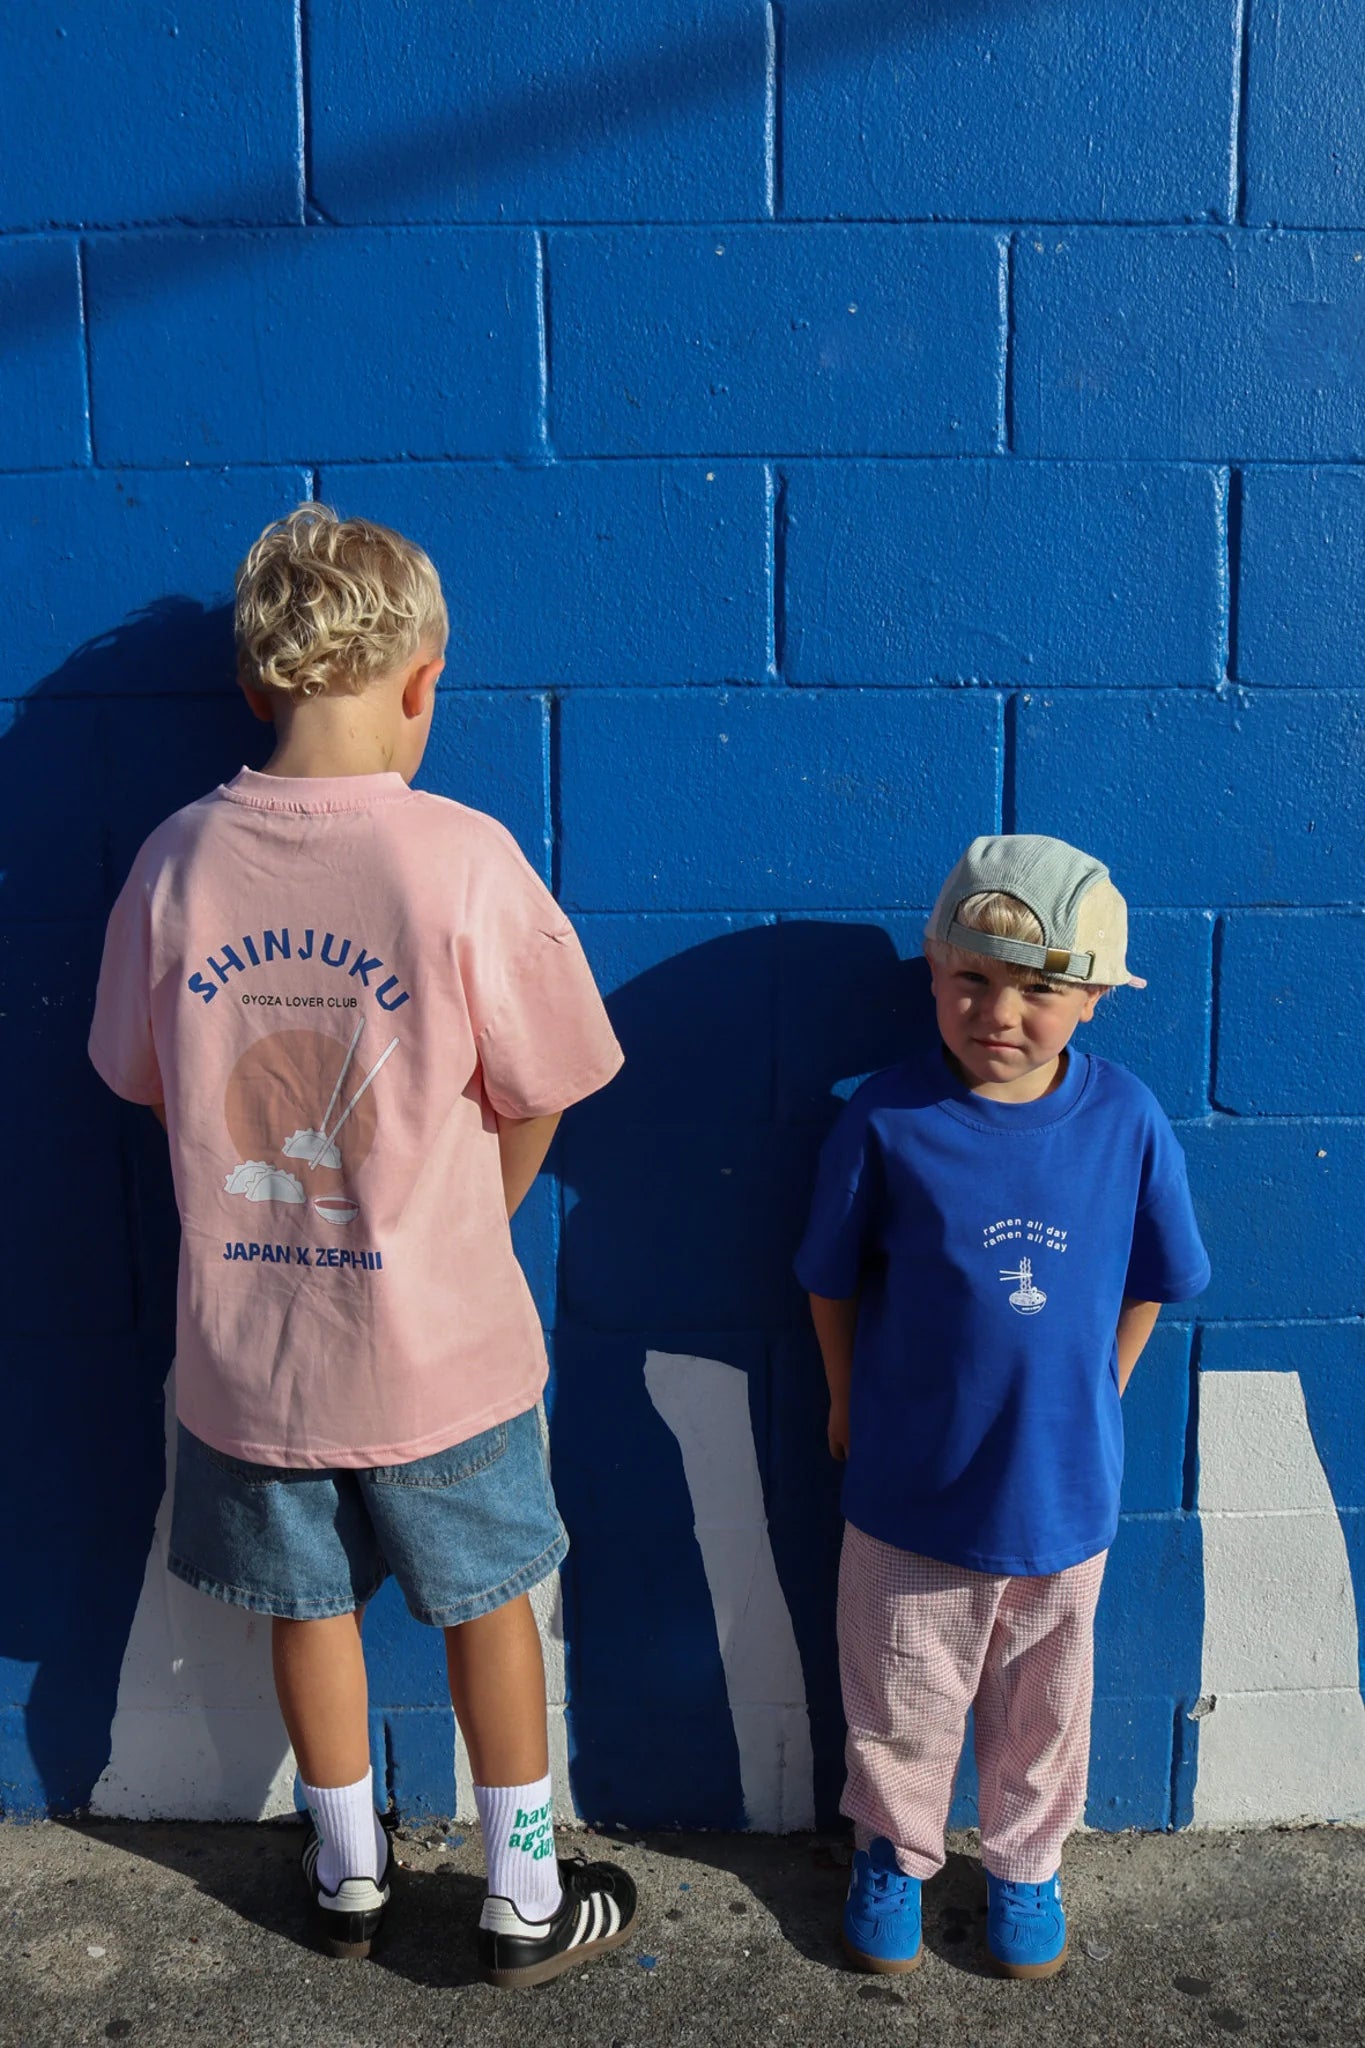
(1168, 1261)
(542, 1031)
(121, 1044)
(832, 1252)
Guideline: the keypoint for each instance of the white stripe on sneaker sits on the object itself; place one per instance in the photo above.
(613, 1915)
(581, 1925)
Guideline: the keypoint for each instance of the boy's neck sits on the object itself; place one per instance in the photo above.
(334, 736)
(1030, 1087)
(325, 762)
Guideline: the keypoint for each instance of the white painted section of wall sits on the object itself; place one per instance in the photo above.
(1286, 1738)
(197, 1734)
(706, 1405)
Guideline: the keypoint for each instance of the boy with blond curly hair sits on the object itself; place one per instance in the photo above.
(359, 1014)
(993, 1230)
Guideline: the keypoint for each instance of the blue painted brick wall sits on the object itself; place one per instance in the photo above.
(840, 430)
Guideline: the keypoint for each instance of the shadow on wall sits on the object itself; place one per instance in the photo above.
(686, 1183)
(579, 121)
(85, 773)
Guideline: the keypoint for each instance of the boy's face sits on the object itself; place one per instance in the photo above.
(1006, 1035)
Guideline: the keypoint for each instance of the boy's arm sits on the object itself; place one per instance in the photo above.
(522, 1145)
(835, 1325)
(1137, 1320)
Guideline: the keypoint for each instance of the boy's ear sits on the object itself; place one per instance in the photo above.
(420, 686)
(1094, 997)
(262, 702)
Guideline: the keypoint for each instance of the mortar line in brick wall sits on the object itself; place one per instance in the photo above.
(1215, 1006)
(1189, 1463)
(553, 785)
(723, 685)
(310, 212)
(1237, 166)
(301, 104)
(390, 1790)
(251, 224)
(895, 458)
(543, 434)
(1282, 1323)
(1154, 1515)
(87, 380)
(1007, 802)
(1278, 1122)
(1232, 575)
(239, 225)
(773, 113)
(1258, 1514)
(777, 575)
(906, 909)
(1178, 1728)
(1007, 261)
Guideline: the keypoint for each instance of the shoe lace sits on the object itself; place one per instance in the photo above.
(886, 1889)
(1028, 1901)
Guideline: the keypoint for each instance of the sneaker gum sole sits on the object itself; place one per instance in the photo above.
(881, 1966)
(555, 1966)
(349, 1936)
(1027, 1972)
(347, 1951)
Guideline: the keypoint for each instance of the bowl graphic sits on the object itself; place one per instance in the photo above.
(336, 1208)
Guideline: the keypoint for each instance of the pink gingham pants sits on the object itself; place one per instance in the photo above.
(919, 1643)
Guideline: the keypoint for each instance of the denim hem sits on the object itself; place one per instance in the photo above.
(498, 1596)
(277, 1604)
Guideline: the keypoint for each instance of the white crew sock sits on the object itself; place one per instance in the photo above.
(353, 1841)
(519, 1846)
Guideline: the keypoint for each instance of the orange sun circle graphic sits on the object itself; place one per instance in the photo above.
(286, 1095)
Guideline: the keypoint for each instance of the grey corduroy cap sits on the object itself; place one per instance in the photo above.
(1083, 916)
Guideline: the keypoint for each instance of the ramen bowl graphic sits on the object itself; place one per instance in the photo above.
(338, 1209)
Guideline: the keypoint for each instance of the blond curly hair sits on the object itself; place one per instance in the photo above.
(328, 604)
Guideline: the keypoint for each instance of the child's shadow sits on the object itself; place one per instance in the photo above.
(701, 1499)
(90, 762)
(253, 1873)
(803, 1884)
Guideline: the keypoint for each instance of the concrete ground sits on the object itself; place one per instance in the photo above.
(166, 1935)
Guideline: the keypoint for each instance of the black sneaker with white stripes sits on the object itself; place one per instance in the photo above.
(347, 1920)
(597, 1913)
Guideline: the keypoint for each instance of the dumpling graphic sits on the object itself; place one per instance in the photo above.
(314, 1146)
(260, 1182)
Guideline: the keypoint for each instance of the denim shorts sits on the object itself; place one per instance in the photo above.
(462, 1531)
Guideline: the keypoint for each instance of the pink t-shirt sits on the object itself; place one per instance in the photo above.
(333, 985)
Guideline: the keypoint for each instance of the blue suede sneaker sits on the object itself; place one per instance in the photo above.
(1025, 1927)
(882, 1914)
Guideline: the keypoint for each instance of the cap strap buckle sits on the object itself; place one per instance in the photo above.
(1022, 953)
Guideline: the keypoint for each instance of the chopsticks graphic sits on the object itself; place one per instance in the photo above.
(345, 1069)
(329, 1136)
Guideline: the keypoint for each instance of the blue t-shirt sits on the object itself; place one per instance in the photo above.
(991, 1245)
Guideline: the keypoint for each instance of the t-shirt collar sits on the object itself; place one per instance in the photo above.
(312, 793)
(989, 1114)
